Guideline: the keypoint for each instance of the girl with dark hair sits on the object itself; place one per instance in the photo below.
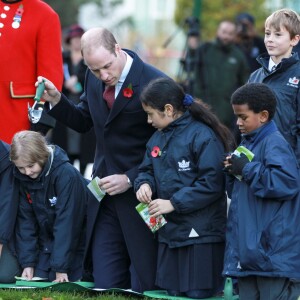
(164, 91)
(181, 178)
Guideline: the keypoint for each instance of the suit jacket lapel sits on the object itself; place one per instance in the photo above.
(132, 78)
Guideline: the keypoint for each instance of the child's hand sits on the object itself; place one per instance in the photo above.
(225, 158)
(226, 163)
(144, 193)
(237, 164)
(61, 277)
(159, 207)
(28, 273)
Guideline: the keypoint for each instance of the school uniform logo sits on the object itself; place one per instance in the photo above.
(294, 82)
(184, 166)
(53, 201)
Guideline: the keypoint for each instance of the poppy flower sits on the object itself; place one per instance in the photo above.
(28, 198)
(153, 221)
(128, 92)
(155, 151)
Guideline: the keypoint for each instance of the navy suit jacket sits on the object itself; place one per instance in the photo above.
(122, 132)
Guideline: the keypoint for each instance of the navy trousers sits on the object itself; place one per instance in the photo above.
(268, 288)
(9, 267)
(124, 250)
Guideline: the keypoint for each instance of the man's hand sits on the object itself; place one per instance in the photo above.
(144, 193)
(114, 184)
(51, 93)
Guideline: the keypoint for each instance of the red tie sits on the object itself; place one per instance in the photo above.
(109, 95)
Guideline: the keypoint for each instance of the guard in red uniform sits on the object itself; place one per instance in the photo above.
(30, 45)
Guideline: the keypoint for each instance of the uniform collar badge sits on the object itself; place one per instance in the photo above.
(18, 17)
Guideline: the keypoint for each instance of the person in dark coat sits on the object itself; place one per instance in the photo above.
(9, 267)
(122, 248)
(262, 236)
(248, 40)
(183, 180)
(51, 220)
(221, 68)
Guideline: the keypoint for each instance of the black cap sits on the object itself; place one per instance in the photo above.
(245, 16)
(73, 31)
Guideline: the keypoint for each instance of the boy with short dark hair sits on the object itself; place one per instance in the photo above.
(262, 238)
(281, 72)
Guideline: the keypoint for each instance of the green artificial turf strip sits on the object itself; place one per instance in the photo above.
(37, 294)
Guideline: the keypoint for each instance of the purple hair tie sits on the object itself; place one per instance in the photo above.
(188, 100)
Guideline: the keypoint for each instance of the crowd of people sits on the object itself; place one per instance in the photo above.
(157, 145)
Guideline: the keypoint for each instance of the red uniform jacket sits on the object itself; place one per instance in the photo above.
(30, 45)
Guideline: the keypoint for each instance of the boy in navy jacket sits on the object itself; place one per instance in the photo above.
(262, 237)
(281, 72)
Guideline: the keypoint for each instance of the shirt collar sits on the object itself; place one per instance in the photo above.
(129, 61)
(126, 69)
(271, 64)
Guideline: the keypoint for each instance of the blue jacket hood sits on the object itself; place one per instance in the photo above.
(56, 158)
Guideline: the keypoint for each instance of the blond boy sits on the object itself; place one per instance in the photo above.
(280, 70)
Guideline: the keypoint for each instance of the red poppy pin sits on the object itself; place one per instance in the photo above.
(28, 198)
(128, 92)
(155, 151)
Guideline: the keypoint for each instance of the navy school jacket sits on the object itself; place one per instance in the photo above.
(189, 174)
(263, 225)
(52, 214)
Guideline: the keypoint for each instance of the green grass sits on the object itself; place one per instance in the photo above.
(33, 294)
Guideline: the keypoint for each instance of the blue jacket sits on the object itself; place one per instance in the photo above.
(9, 195)
(189, 173)
(262, 236)
(52, 215)
(284, 82)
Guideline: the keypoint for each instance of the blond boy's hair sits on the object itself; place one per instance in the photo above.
(31, 146)
(286, 18)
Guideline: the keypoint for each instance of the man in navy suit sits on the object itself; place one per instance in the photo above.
(122, 248)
